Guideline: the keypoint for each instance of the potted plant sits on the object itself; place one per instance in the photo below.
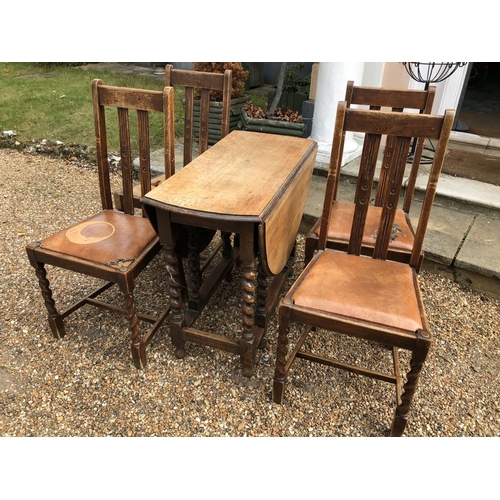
(283, 121)
(278, 119)
(238, 100)
(295, 88)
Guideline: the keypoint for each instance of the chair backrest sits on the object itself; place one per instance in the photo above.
(396, 100)
(203, 83)
(144, 102)
(402, 127)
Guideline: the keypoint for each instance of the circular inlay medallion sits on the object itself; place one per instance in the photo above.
(90, 232)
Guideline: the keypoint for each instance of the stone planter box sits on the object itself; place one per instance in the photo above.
(290, 100)
(215, 118)
(272, 126)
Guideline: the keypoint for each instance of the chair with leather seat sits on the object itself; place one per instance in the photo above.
(360, 296)
(395, 100)
(113, 245)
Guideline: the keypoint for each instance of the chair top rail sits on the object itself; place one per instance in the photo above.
(139, 99)
(196, 79)
(387, 123)
(392, 98)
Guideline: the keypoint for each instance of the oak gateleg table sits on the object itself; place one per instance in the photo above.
(249, 184)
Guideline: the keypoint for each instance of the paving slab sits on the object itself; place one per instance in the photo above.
(158, 160)
(475, 143)
(445, 232)
(465, 191)
(480, 251)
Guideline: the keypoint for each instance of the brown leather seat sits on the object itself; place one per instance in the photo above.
(104, 238)
(371, 290)
(341, 222)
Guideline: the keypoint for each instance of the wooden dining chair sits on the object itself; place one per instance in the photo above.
(195, 83)
(359, 296)
(395, 100)
(112, 245)
(198, 85)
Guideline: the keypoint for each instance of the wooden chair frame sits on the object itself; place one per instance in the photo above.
(138, 242)
(370, 298)
(204, 82)
(397, 100)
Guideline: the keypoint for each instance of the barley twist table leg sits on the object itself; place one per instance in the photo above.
(280, 373)
(261, 293)
(261, 314)
(175, 293)
(418, 358)
(248, 310)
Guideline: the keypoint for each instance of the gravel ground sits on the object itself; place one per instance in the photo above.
(86, 385)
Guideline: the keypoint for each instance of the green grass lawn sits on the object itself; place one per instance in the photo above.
(54, 102)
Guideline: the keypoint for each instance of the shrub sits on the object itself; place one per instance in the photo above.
(238, 79)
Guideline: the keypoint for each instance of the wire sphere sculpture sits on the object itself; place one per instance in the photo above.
(431, 72)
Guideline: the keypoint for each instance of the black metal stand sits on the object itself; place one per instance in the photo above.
(428, 73)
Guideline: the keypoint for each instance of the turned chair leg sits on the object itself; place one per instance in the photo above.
(137, 346)
(417, 361)
(280, 373)
(278, 390)
(55, 319)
